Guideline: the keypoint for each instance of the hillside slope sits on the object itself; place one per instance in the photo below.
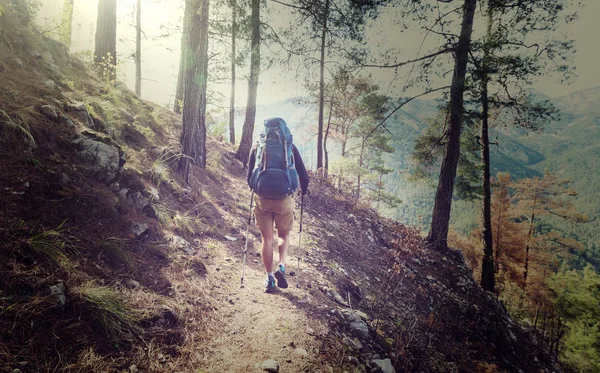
(109, 262)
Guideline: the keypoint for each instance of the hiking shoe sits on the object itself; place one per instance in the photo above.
(270, 284)
(280, 276)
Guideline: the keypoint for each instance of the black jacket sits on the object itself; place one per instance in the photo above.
(299, 164)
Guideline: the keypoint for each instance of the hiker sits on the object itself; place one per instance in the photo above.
(274, 167)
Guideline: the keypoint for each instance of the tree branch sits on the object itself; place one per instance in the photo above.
(445, 50)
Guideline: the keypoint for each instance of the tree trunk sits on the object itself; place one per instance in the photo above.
(182, 58)
(440, 217)
(326, 166)
(360, 164)
(105, 53)
(379, 187)
(232, 98)
(487, 266)
(138, 49)
(499, 227)
(247, 131)
(322, 88)
(67, 22)
(193, 137)
(527, 246)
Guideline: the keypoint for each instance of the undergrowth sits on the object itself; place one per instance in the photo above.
(117, 319)
(56, 245)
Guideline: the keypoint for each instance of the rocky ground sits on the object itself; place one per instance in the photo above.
(109, 262)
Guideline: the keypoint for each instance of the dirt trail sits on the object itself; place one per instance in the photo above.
(256, 326)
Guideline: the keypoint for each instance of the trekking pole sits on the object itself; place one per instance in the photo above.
(300, 237)
(246, 244)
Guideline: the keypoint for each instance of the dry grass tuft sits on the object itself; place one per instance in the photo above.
(118, 250)
(56, 245)
(117, 319)
(90, 361)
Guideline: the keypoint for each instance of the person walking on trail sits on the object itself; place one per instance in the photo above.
(274, 167)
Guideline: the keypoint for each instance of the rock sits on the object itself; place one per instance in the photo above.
(352, 343)
(385, 365)
(270, 365)
(360, 329)
(58, 292)
(103, 160)
(49, 112)
(132, 284)
(115, 187)
(139, 201)
(66, 121)
(352, 360)
(354, 315)
(50, 84)
(18, 62)
(113, 201)
(123, 193)
(139, 228)
(133, 369)
(301, 352)
(80, 111)
(180, 243)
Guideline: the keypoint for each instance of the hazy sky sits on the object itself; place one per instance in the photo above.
(161, 56)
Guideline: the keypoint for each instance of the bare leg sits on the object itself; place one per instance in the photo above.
(285, 240)
(267, 249)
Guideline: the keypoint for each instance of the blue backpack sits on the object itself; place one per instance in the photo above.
(274, 175)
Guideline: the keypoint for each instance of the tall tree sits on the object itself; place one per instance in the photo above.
(67, 22)
(440, 217)
(248, 129)
(193, 137)
(507, 64)
(487, 266)
(138, 49)
(233, 63)
(182, 56)
(105, 53)
(323, 22)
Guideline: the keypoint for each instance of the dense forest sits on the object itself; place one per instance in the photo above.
(453, 141)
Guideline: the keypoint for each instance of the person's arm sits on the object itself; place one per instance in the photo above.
(251, 161)
(301, 169)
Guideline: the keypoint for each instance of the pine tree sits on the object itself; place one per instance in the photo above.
(193, 137)
(243, 151)
(440, 217)
(105, 52)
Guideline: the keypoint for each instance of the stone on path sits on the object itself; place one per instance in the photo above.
(301, 352)
(385, 365)
(270, 365)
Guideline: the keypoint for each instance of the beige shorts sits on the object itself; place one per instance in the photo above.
(280, 211)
